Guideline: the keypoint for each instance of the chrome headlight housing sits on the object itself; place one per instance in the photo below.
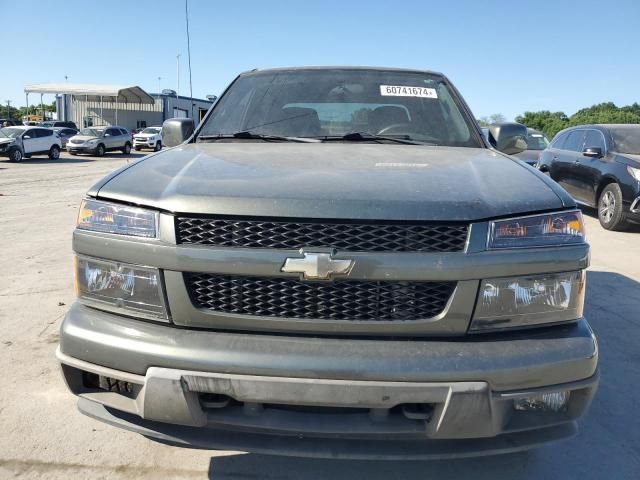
(107, 217)
(546, 230)
(517, 302)
(120, 287)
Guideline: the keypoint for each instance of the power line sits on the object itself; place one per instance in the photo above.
(186, 13)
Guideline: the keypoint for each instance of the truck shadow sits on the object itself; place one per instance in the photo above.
(606, 446)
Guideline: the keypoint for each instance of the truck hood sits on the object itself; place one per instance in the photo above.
(334, 180)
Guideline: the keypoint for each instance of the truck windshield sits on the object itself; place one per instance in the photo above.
(332, 103)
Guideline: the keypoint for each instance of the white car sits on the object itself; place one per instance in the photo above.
(150, 137)
(23, 142)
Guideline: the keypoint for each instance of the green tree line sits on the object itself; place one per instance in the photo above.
(18, 113)
(552, 122)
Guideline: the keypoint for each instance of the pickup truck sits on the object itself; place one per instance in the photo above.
(335, 263)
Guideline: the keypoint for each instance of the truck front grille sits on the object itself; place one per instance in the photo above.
(338, 300)
(344, 236)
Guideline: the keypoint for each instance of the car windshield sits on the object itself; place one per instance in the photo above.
(151, 131)
(626, 139)
(536, 141)
(9, 132)
(328, 103)
(92, 132)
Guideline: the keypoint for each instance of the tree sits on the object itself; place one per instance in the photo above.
(494, 118)
(607, 112)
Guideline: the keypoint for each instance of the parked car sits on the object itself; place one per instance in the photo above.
(10, 122)
(599, 165)
(57, 123)
(336, 263)
(98, 140)
(150, 137)
(23, 142)
(65, 134)
(536, 143)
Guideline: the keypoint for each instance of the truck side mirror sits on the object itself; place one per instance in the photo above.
(510, 138)
(176, 130)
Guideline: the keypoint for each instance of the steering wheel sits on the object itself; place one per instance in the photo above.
(403, 127)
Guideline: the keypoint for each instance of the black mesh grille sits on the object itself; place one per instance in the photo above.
(305, 234)
(338, 300)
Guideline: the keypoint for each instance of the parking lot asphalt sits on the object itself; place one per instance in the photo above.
(43, 436)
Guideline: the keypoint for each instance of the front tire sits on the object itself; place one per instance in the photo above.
(54, 152)
(610, 211)
(158, 147)
(100, 151)
(126, 149)
(15, 155)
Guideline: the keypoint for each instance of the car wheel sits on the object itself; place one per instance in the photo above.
(54, 152)
(610, 211)
(15, 155)
(100, 150)
(158, 147)
(126, 149)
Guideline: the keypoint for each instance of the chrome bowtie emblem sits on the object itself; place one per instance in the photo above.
(317, 266)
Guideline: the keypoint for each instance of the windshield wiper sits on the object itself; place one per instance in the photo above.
(248, 135)
(367, 137)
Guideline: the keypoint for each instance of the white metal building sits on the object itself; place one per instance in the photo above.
(125, 105)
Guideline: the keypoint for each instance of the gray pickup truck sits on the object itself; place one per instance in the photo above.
(335, 263)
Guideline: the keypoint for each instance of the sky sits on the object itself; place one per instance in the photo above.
(504, 57)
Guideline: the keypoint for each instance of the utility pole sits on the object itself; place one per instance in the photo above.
(8, 109)
(159, 91)
(177, 77)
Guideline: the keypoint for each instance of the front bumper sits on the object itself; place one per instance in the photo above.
(327, 396)
(73, 148)
(144, 143)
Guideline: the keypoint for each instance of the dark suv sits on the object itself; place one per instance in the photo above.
(599, 165)
(335, 263)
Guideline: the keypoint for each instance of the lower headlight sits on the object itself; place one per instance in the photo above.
(532, 300)
(120, 287)
(545, 402)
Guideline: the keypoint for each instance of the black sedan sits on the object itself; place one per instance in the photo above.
(599, 165)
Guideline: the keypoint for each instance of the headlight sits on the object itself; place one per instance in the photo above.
(531, 300)
(120, 287)
(92, 142)
(109, 217)
(553, 229)
(634, 172)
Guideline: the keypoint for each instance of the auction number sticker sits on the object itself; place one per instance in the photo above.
(404, 91)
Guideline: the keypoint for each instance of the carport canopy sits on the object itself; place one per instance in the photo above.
(120, 93)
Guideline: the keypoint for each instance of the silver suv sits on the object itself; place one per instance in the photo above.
(98, 140)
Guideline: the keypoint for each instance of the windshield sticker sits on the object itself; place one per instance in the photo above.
(406, 91)
(536, 135)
